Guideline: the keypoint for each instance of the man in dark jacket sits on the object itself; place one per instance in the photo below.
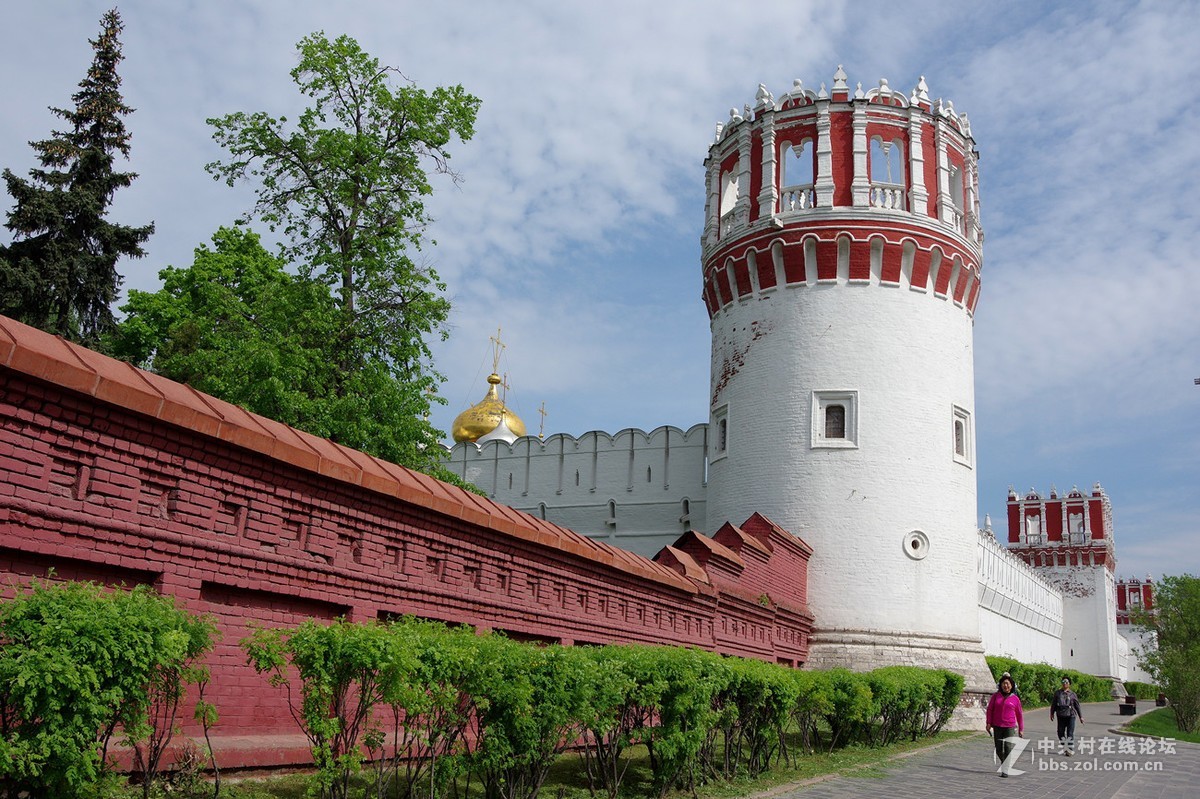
(1065, 707)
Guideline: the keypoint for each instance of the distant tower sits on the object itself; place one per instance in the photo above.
(1069, 540)
(841, 259)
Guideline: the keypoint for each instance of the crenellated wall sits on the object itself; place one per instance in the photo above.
(112, 474)
(1020, 612)
(636, 490)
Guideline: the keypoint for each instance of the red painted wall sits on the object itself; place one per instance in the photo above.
(116, 475)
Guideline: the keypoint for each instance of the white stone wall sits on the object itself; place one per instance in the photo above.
(1089, 639)
(1138, 640)
(1020, 612)
(905, 356)
(637, 490)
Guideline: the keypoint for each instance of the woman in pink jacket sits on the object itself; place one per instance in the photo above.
(1004, 719)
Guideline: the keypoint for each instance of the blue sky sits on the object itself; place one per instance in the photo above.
(576, 227)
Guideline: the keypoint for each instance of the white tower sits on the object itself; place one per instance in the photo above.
(841, 257)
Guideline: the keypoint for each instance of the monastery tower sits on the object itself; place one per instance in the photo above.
(841, 260)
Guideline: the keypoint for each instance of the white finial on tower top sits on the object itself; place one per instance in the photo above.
(763, 98)
(797, 86)
(839, 79)
(885, 91)
(966, 124)
(987, 524)
(734, 116)
(922, 90)
(858, 93)
(746, 115)
(720, 129)
(822, 95)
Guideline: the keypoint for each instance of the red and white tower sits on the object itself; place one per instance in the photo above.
(1069, 540)
(841, 260)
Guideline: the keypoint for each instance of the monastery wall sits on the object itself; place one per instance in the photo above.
(636, 490)
(1020, 612)
(112, 474)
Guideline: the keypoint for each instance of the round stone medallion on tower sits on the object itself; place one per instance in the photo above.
(841, 267)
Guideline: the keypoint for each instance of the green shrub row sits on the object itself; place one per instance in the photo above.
(418, 709)
(424, 709)
(1037, 682)
(1142, 690)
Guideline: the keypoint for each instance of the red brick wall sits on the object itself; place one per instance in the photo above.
(115, 475)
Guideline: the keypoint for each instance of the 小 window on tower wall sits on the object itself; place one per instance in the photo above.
(962, 436)
(719, 445)
(835, 419)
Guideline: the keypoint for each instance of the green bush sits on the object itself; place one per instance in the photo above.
(79, 662)
(439, 708)
(1142, 690)
(910, 702)
(1037, 682)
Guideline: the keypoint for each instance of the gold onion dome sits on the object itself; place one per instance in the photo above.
(477, 421)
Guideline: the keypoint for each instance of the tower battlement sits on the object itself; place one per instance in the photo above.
(1071, 530)
(842, 186)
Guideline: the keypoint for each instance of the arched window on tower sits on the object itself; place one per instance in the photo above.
(1033, 529)
(887, 173)
(729, 198)
(685, 518)
(957, 191)
(611, 521)
(835, 421)
(796, 177)
(1075, 526)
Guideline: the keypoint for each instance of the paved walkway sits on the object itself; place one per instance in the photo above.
(1116, 767)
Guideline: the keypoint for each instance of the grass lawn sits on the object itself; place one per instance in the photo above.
(1161, 722)
(566, 780)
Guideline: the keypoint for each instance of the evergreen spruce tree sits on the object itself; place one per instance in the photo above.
(59, 273)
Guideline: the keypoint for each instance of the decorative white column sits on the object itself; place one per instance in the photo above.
(712, 204)
(768, 197)
(945, 202)
(918, 197)
(824, 178)
(860, 187)
(741, 209)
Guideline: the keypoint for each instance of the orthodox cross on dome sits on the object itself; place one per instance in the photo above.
(542, 424)
(497, 348)
(504, 385)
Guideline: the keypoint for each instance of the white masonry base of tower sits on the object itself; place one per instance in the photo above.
(842, 368)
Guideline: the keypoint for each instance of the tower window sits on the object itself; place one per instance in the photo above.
(961, 431)
(835, 419)
(719, 445)
(796, 193)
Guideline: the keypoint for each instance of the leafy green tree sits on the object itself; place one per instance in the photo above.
(1176, 619)
(77, 662)
(59, 273)
(346, 185)
(236, 324)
